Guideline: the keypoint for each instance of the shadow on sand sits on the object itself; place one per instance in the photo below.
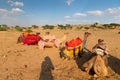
(81, 60)
(114, 64)
(46, 69)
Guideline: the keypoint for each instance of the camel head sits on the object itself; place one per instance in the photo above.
(87, 34)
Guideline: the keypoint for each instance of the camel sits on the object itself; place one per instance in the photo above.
(62, 40)
(77, 47)
(53, 43)
(98, 61)
(97, 64)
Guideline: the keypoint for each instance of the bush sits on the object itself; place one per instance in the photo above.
(107, 26)
(28, 30)
(18, 28)
(34, 26)
(48, 27)
(114, 24)
(93, 26)
(86, 28)
(100, 27)
(61, 27)
(79, 27)
(3, 29)
(67, 26)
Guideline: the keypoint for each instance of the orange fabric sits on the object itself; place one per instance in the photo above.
(74, 42)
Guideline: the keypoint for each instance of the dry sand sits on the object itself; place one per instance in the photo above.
(22, 62)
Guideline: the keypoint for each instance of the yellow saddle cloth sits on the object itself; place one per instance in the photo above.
(71, 52)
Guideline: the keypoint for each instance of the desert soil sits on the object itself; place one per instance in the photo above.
(23, 62)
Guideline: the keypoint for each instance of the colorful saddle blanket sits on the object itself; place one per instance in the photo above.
(73, 47)
(74, 43)
(73, 52)
(32, 39)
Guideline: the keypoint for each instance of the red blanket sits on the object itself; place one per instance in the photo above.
(32, 39)
(74, 42)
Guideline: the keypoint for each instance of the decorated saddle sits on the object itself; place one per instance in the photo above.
(73, 47)
(32, 39)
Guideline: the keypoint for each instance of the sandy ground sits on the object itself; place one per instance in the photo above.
(22, 62)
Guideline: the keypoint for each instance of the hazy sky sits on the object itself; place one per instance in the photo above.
(41, 12)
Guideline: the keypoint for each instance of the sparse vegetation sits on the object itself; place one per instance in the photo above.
(107, 26)
(86, 28)
(79, 27)
(34, 26)
(62, 27)
(93, 26)
(4, 27)
(18, 28)
(48, 27)
(28, 30)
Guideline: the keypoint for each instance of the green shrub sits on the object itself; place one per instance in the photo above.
(61, 27)
(100, 27)
(28, 30)
(108, 26)
(3, 29)
(93, 26)
(79, 27)
(18, 28)
(67, 26)
(86, 28)
(48, 27)
(34, 26)
(114, 24)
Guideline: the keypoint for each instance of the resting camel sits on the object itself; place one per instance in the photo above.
(74, 48)
(62, 40)
(98, 62)
(51, 41)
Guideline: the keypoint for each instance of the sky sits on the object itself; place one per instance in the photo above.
(53, 12)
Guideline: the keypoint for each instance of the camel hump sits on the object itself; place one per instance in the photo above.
(100, 67)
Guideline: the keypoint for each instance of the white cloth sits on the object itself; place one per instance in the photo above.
(99, 51)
